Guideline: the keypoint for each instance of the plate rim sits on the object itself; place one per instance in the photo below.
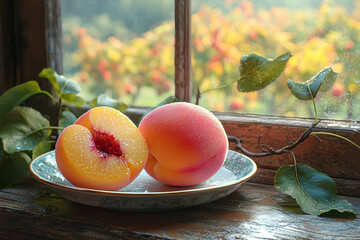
(138, 194)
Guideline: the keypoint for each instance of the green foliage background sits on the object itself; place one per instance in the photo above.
(126, 49)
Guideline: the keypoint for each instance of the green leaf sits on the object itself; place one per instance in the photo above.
(23, 129)
(170, 99)
(16, 95)
(67, 118)
(41, 148)
(322, 81)
(104, 100)
(60, 83)
(256, 72)
(67, 85)
(12, 167)
(49, 73)
(315, 192)
(72, 99)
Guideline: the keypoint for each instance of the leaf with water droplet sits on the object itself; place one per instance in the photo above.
(67, 85)
(322, 81)
(23, 129)
(104, 100)
(41, 148)
(16, 95)
(12, 167)
(256, 72)
(60, 83)
(315, 192)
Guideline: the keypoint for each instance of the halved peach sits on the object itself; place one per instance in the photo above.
(187, 144)
(103, 150)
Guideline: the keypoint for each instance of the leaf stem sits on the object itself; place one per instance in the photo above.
(314, 105)
(48, 94)
(335, 135)
(62, 89)
(220, 87)
(295, 167)
(43, 128)
(313, 102)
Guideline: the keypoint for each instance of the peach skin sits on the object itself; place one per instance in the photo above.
(102, 150)
(187, 144)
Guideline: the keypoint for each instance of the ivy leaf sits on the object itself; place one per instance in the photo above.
(256, 72)
(170, 99)
(322, 81)
(41, 148)
(315, 192)
(104, 100)
(12, 167)
(23, 129)
(16, 95)
(70, 98)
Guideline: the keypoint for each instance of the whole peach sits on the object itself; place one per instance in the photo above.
(187, 144)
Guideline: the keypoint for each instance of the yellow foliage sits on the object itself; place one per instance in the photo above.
(113, 55)
(352, 88)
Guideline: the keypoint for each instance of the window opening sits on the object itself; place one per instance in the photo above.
(317, 33)
(122, 48)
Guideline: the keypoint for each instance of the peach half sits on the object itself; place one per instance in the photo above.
(187, 144)
(102, 150)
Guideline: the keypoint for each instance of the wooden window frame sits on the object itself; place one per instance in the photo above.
(30, 39)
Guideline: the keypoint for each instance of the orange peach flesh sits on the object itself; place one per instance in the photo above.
(102, 150)
(187, 144)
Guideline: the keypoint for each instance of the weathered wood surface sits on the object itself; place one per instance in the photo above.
(30, 40)
(254, 211)
(333, 156)
(183, 50)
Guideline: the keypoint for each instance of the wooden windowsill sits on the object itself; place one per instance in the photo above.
(332, 156)
(32, 211)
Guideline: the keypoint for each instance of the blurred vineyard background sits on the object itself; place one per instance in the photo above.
(125, 48)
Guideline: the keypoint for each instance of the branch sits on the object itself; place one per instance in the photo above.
(266, 150)
(198, 95)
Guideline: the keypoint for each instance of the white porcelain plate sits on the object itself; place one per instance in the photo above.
(145, 193)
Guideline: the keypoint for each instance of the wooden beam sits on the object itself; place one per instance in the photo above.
(183, 89)
(53, 35)
(30, 39)
(7, 46)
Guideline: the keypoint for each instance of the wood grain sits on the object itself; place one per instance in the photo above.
(7, 46)
(32, 211)
(37, 45)
(182, 58)
(335, 157)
